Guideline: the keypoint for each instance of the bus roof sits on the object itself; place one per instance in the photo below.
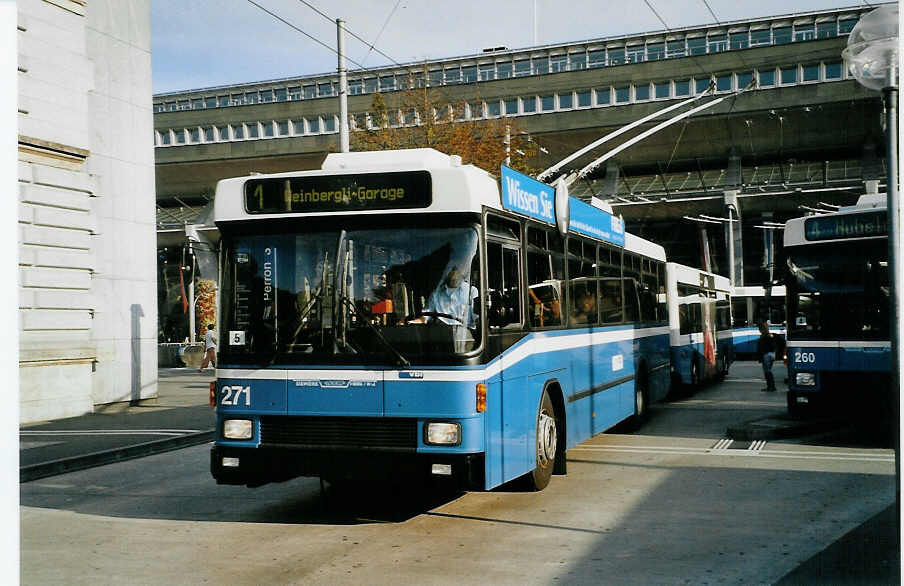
(454, 187)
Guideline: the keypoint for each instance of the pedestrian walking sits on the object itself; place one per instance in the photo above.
(765, 351)
(210, 348)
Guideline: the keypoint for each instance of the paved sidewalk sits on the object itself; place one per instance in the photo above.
(179, 417)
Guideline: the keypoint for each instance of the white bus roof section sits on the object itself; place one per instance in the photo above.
(456, 187)
(645, 247)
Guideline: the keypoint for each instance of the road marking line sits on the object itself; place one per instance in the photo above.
(722, 444)
(781, 454)
(39, 433)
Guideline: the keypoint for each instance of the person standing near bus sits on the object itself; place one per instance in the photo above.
(765, 351)
(210, 348)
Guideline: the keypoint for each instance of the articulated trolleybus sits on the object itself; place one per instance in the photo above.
(699, 324)
(837, 307)
(398, 313)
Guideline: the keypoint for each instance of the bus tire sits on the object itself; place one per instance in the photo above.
(641, 402)
(547, 442)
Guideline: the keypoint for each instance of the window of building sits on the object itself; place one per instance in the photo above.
(541, 65)
(522, 67)
(826, 30)
(529, 104)
(329, 124)
(596, 58)
(238, 132)
(789, 75)
(682, 87)
(476, 110)
(616, 56)
(452, 75)
(280, 94)
(165, 137)
(313, 124)
(283, 127)
(268, 129)
(469, 74)
(403, 81)
(739, 40)
(493, 109)
(222, 101)
(846, 25)
(566, 101)
(577, 61)
(295, 91)
(655, 51)
(209, 134)
(744, 79)
(253, 130)
(636, 53)
(701, 84)
(604, 96)
(717, 43)
(210, 102)
(810, 72)
(767, 78)
(310, 92)
(760, 37)
(435, 77)
(223, 132)
(622, 95)
(662, 89)
(781, 35)
(387, 83)
(804, 32)
(584, 99)
(370, 85)
(642, 92)
(195, 134)
(238, 99)
(675, 48)
(548, 103)
(511, 106)
(298, 126)
(355, 87)
(833, 70)
(696, 46)
(557, 63)
(266, 95)
(252, 97)
(504, 70)
(325, 89)
(487, 71)
(723, 83)
(184, 105)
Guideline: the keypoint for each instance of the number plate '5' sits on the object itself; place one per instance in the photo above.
(231, 395)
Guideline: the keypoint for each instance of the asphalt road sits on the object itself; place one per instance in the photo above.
(677, 502)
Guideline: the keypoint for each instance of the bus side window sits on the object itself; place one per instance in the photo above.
(632, 305)
(503, 286)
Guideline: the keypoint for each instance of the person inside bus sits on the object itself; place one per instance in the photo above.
(585, 309)
(765, 351)
(455, 298)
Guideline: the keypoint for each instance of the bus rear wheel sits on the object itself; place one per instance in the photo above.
(547, 443)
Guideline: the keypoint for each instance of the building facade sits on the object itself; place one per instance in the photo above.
(803, 134)
(87, 234)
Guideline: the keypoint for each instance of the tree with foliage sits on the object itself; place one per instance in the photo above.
(420, 117)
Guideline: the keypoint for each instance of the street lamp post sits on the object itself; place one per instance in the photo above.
(872, 55)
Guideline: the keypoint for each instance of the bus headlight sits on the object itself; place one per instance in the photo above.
(240, 429)
(805, 379)
(442, 434)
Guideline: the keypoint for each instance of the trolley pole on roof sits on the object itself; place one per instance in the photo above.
(343, 87)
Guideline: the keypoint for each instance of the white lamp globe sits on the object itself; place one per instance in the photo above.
(872, 48)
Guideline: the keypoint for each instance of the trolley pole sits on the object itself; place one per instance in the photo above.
(343, 87)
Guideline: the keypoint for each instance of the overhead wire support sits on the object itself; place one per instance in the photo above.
(596, 162)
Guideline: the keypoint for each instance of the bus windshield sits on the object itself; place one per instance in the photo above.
(838, 292)
(380, 296)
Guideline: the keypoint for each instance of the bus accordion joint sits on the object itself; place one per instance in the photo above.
(481, 397)
(212, 397)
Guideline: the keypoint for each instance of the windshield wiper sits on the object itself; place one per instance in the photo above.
(398, 355)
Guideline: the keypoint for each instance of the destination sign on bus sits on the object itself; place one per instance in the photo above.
(847, 226)
(338, 193)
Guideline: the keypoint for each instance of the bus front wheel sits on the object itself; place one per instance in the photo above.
(547, 440)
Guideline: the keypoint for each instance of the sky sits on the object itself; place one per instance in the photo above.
(205, 43)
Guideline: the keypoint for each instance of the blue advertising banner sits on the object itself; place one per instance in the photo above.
(525, 195)
(596, 223)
